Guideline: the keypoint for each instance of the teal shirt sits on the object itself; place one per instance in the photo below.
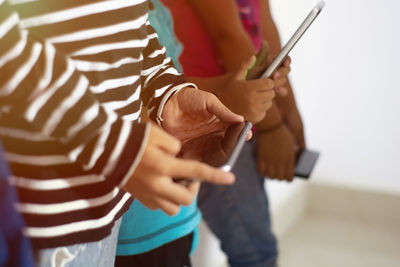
(143, 229)
(161, 20)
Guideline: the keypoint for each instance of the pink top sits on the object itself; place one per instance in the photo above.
(199, 56)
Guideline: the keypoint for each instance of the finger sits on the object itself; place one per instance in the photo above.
(289, 171)
(282, 72)
(168, 207)
(266, 95)
(266, 105)
(215, 106)
(281, 91)
(192, 169)
(266, 84)
(176, 193)
(280, 172)
(271, 171)
(287, 62)
(163, 140)
(281, 82)
(249, 135)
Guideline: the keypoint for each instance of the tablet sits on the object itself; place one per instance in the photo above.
(278, 60)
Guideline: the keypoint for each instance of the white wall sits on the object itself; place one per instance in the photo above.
(345, 74)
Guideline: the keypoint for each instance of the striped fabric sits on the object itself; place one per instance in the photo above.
(74, 76)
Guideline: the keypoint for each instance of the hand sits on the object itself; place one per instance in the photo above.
(152, 181)
(252, 98)
(191, 113)
(263, 60)
(280, 77)
(276, 153)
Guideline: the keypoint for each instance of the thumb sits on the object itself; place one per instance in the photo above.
(244, 68)
(224, 114)
(163, 140)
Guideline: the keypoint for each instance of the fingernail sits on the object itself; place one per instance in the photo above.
(228, 177)
(276, 75)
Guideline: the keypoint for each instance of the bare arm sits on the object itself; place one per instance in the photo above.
(222, 21)
(231, 39)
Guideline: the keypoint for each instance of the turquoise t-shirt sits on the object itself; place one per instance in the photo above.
(161, 20)
(143, 229)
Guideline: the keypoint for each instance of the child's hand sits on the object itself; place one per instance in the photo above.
(276, 152)
(263, 60)
(250, 99)
(152, 181)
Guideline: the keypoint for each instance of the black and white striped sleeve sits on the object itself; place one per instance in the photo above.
(43, 97)
(160, 78)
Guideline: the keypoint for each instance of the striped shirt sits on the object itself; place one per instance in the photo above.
(74, 76)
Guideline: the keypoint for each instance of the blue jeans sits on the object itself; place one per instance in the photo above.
(99, 254)
(239, 214)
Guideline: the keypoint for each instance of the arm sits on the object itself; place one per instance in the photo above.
(232, 41)
(43, 95)
(222, 22)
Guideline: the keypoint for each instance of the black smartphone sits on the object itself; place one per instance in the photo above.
(305, 163)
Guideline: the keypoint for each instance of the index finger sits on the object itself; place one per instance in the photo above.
(195, 170)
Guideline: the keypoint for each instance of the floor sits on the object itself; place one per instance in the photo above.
(324, 226)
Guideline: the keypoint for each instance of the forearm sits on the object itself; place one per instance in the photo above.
(234, 50)
(226, 31)
(210, 84)
(270, 120)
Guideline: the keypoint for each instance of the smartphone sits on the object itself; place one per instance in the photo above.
(305, 163)
(278, 60)
(219, 149)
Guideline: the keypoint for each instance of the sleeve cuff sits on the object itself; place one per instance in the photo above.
(166, 97)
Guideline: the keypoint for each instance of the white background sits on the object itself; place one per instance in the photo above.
(345, 74)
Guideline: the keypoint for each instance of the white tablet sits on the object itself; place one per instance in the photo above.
(278, 60)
